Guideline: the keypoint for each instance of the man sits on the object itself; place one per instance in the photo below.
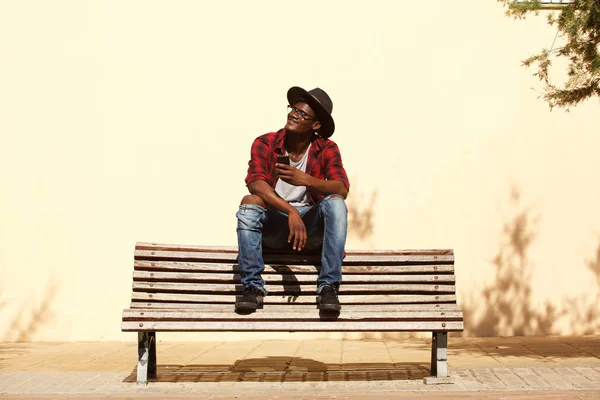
(297, 206)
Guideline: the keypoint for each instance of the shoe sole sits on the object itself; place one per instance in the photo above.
(246, 306)
(329, 307)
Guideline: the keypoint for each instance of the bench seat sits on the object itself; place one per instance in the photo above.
(194, 288)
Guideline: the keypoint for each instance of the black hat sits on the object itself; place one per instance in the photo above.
(320, 102)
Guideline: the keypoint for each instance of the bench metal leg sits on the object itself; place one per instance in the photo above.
(146, 357)
(439, 357)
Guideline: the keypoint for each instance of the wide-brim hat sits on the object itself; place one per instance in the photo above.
(321, 104)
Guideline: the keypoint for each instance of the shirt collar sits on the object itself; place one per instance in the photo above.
(316, 146)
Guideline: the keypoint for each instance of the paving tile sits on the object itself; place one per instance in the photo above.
(35, 382)
(488, 379)
(275, 348)
(326, 352)
(590, 373)
(578, 360)
(510, 379)
(220, 356)
(575, 378)
(533, 380)
(530, 360)
(593, 351)
(579, 339)
(553, 378)
(66, 383)
(555, 350)
(472, 360)
(408, 355)
(467, 379)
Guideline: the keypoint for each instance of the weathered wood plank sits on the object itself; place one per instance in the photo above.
(217, 307)
(287, 278)
(291, 288)
(273, 299)
(262, 326)
(291, 258)
(187, 315)
(232, 249)
(292, 269)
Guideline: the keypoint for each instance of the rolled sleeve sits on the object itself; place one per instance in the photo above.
(258, 164)
(334, 167)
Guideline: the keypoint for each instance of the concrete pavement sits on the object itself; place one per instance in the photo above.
(509, 368)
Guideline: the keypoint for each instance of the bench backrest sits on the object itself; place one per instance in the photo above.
(196, 277)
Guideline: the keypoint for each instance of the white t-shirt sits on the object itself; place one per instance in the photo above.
(295, 195)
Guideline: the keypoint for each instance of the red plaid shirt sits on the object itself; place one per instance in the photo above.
(324, 161)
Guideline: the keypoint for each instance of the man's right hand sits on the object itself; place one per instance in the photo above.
(297, 230)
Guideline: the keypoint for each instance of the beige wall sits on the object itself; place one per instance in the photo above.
(126, 121)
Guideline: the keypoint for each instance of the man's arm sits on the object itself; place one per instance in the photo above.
(295, 177)
(263, 190)
(328, 187)
(336, 179)
(297, 228)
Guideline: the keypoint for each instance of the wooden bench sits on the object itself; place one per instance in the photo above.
(193, 288)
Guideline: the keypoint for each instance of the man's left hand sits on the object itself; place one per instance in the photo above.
(292, 175)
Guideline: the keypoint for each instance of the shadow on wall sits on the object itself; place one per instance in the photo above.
(594, 265)
(360, 214)
(584, 311)
(504, 307)
(30, 317)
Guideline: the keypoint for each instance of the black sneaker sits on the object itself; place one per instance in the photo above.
(328, 300)
(251, 299)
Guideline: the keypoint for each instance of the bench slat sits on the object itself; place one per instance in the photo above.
(216, 307)
(291, 269)
(297, 315)
(351, 299)
(332, 326)
(292, 258)
(231, 249)
(287, 278)
(291, 288)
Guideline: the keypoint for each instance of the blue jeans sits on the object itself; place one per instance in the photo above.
(326, 227)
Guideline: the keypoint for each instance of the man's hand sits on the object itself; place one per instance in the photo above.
(292, 175)
(297, 231)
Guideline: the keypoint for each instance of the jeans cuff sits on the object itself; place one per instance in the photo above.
(321, 286)
(252, 206)
(262, 289)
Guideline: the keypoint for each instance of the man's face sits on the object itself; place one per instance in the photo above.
(301, 118)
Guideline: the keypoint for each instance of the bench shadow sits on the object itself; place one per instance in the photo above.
(286, 369)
